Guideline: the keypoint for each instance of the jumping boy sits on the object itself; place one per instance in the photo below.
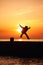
(24, 30)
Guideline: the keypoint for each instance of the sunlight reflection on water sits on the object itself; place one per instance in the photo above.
(40, 40)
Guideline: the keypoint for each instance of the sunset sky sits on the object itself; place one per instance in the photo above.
(25, 12)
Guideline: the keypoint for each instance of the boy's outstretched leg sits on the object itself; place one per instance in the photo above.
(27, 36)
(21, 35)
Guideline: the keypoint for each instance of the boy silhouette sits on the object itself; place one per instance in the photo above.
(24, 30)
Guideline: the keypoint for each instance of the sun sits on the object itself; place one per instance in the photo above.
(19, 29)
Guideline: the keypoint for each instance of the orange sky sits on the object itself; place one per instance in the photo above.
(26, 12)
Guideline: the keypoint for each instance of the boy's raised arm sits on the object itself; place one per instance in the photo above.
(20, 26)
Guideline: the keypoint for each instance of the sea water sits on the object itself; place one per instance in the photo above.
(20, 61)
(37, 40)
